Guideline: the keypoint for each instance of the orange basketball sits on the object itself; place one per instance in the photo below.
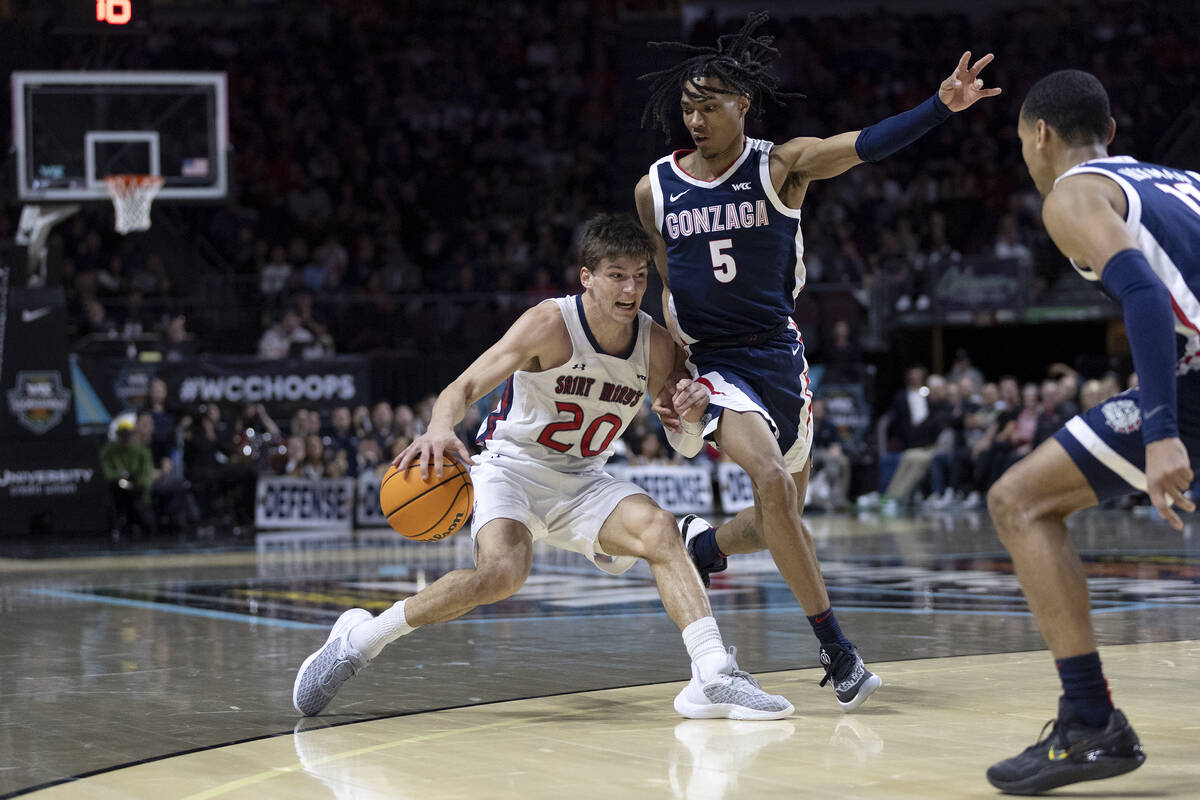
(427, 510)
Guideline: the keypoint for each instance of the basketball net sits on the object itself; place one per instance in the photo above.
(132, 196)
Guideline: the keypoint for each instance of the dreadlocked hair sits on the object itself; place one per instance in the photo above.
(740, 61)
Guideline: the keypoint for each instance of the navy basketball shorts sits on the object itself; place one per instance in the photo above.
(769, 378)
(1106, 444)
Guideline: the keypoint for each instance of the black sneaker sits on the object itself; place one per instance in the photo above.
(1071, 753)
(690, 527)
(852, 681)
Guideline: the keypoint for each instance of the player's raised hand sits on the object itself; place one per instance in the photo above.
(1168, 475)
(964, 86)
(690, 399)
(431, 447)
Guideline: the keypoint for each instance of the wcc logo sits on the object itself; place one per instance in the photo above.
(39, 400)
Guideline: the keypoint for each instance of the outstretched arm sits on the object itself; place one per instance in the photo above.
(809, 159)
(533, 336)
(1082, 217)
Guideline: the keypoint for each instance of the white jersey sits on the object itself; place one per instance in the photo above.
(567, 417)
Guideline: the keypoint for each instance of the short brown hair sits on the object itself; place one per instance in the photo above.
(613, 236)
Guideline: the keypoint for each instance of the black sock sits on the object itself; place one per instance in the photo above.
(1085, 688)
(825, 626)
(705, 550)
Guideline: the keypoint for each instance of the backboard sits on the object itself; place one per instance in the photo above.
(73, 129)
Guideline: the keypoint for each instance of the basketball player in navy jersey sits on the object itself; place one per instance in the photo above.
(726, 221)
(575, 371)
(1135, 229)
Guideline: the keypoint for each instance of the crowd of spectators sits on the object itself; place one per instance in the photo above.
(202, 462)
(941, 443)
(175, 469)
(366, 178)
(962, 190)
(414, 179)
(945, 439)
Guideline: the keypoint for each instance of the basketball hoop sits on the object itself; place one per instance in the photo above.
(132, 196)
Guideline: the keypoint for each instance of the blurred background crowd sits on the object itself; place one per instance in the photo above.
(937, 446)
(392, 183)
(410, 176)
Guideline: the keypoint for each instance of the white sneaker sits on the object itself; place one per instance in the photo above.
(946, 500)
(324, 672)
(869, 500)
(731, 694)
(973, 500)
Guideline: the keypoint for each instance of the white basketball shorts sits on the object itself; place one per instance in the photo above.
(565, 509)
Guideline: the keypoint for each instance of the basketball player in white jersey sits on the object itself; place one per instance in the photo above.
(577, 369)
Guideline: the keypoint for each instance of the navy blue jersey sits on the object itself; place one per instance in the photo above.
(1163, 217)
(733, 248)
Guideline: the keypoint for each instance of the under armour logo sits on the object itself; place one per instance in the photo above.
(579, 366)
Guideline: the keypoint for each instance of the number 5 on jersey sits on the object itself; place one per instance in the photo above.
(724, 267)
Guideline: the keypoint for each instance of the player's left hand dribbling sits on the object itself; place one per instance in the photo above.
(1168, 476)
(431, 448)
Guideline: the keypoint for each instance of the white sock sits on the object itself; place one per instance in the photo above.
(705, 646)
(370, 637)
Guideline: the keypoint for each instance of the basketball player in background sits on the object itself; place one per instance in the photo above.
(577, 370)
(1134, 228)
(725, 220)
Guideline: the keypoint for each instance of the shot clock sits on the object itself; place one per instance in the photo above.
(114, 12)
(104, 16)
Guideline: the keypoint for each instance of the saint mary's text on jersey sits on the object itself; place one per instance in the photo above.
(609, 392)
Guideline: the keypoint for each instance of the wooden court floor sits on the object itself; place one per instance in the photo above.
(168, 674)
